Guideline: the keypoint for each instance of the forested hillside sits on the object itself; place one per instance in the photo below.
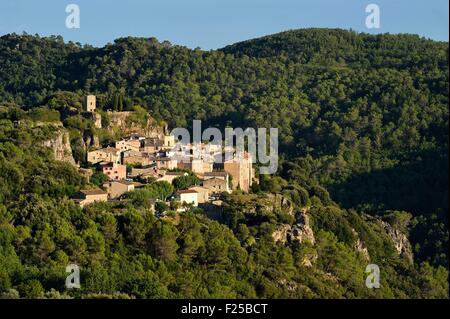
(363, 124)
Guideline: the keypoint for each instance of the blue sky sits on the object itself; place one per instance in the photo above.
(211, 24)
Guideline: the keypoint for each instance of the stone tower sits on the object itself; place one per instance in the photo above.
(89, 103)
(241, 170)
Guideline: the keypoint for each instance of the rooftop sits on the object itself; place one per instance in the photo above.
(215, 174)
(187, 191)
(176, 173)
(163, 159)
(215, 178)
(195, 188)
(93, 192)
(124, 182)
(109, 149)
(134, 136)
(153, 142)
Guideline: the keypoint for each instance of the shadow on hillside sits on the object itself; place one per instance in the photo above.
(419, 187)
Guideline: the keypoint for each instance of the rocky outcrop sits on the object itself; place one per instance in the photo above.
(282, 233)
(86, 173)
(400, 241)
(60, 144)
(360, 247)
(301, 231)
(279, 201)
(309, 258)
(96, 118)
(90, 141)
(125, 123)
(398, 238)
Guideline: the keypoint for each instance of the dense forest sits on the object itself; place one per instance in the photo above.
(363, 122)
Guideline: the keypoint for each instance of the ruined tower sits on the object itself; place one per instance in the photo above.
(89, 103)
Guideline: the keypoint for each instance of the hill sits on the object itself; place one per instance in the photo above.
(363, 123)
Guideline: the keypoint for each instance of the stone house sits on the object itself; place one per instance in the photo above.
(217, 182)
(198, 166)
(188, 196)
(203, 194)
(84, 197)
(114, 171)
(144, 171)
(116, 189)
(170, 176)
(137, 158)
(131, 145)
(167, 163)
(152, 145)
(108, 154)
(169, 141)
(216, 185)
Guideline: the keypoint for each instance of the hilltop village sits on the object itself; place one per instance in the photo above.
(137, 160)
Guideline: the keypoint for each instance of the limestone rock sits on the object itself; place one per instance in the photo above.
(309, 259)
(360, 246)
(281, 233)
(60, 144)
(301, 231)
(401, 242)
(398, 238)
(122, 123)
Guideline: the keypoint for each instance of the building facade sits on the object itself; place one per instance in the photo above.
(116, 189)
(85, 197)
(115, 172)
(188, 197)
(108, 154)
(128, 145)
(202, 194)
(217, 185)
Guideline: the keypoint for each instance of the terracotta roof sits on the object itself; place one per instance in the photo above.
(137, 184)
(153, 142)
(216, 174)
(110, 150)
(214, 179)
(187, 191)
(137, 155)
(93, 192)
(198, 188)
(125, 182)
(163, 159)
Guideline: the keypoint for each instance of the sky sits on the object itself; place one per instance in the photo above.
(212, 24)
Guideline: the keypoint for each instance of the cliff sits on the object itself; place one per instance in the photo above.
(301, 231)
(60, 144)
(126, 123)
